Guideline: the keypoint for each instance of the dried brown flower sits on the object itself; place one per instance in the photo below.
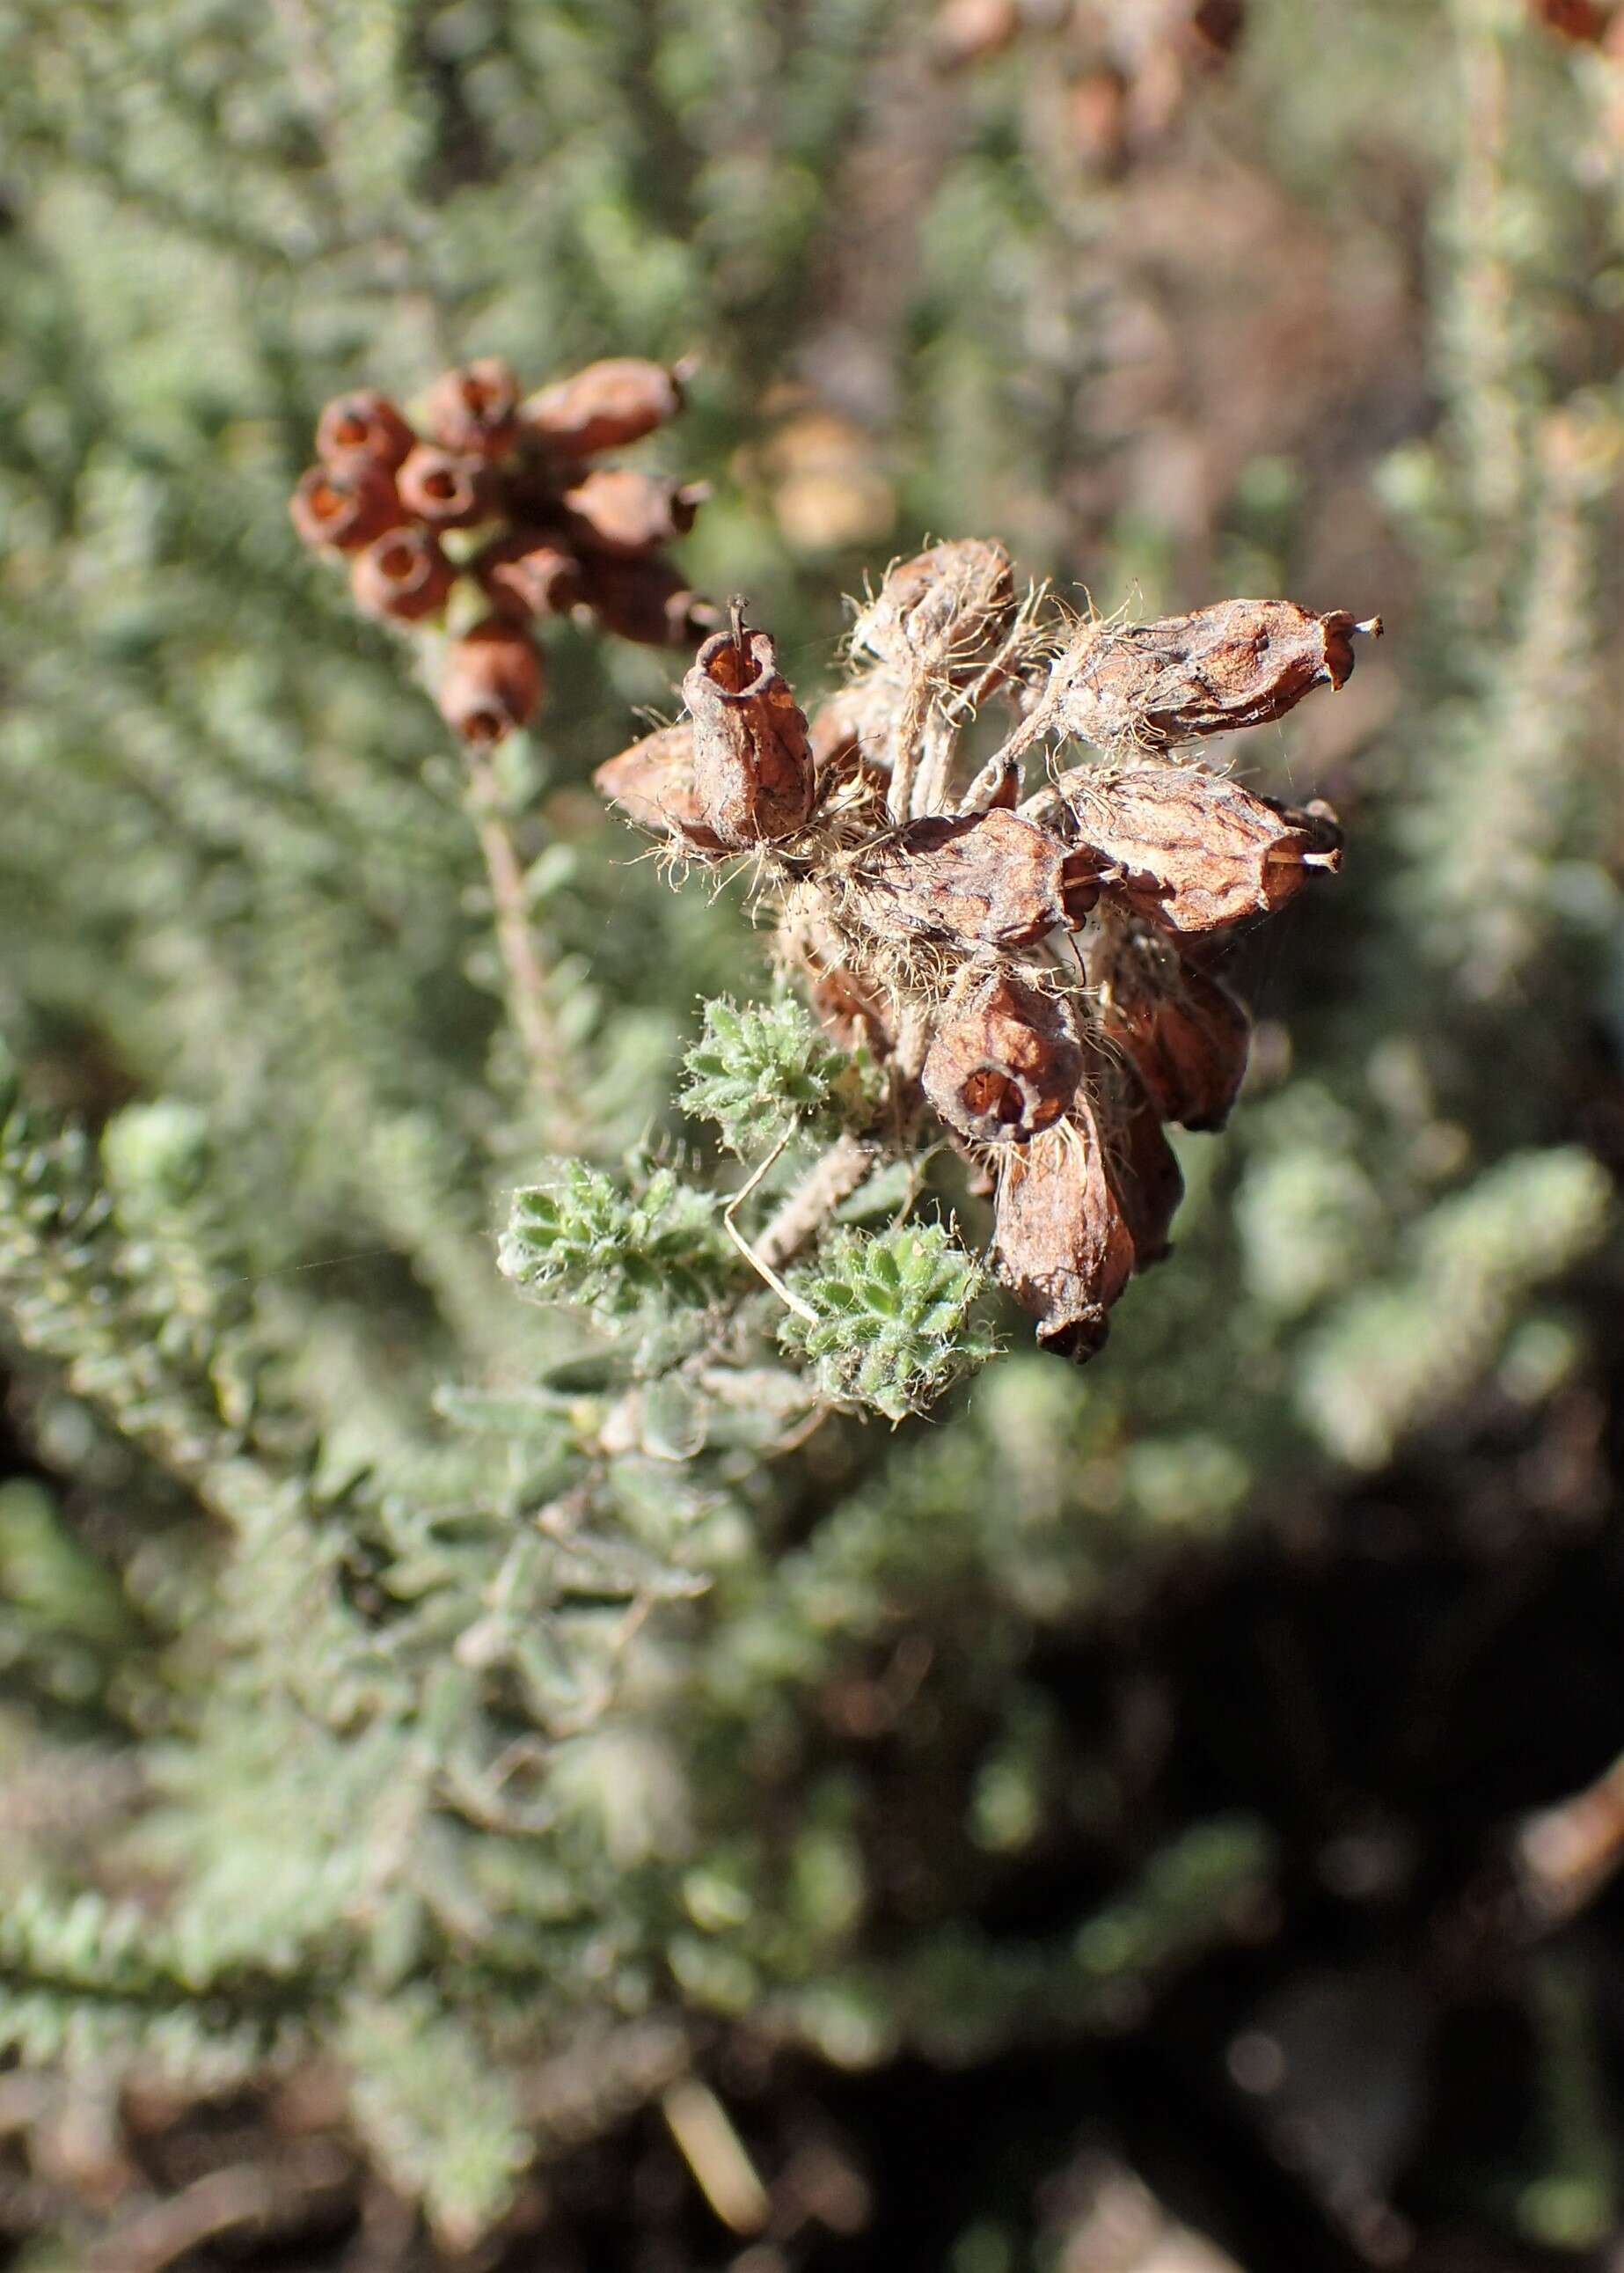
(527, 574)
(652, 784)
(752, 762)
(404, 574)
(340, 508)
(1193, 850)
(645, 601)
(1583, 21)
(445, 490)
(989, 879)
(1127, 687)
(943, 610)
(621, 510)
(1060, 1243)
(604, 407)
(473, 411)
(1005, 1061)
(492, 682)
(362, 428)
(1181, 1029)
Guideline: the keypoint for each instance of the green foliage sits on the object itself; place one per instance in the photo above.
(894, 1324)
(584, 1239)
(762, 1070)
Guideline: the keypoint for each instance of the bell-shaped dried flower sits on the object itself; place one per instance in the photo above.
(988, 880)
(1060, 1241)
(340, 508)
(626, 511)
(492, 682)
(941, 612)
(1141, 1164)
(474, 410)
(752, 762)
(1193, 850)
(604, 407)
(446, 490)
(1004, 1062)
(645, 601)
(652, 784)
(404, 574)
(1182, 1029)
(1127, 687)
(362, 428)
(529, 572)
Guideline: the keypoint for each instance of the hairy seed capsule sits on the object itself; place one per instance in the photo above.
(752, 762)
(1140, 1163)
(652, 784)
(1192, 850)
(492, 682)
(340, 508)
(362, 428)
(604, 407)
(473, 411)
(529, 574)
(623, 511)
(988, 880)
(1182, 1029)
(645, 601)
(1126, 687)
(443, 489)
(403, 574)
(1060, 1243)
(940, 611)
(1004, 1062)
(853, 1013)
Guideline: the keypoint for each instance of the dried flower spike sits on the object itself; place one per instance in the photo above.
(473, 411)
(362, 428)
(492, 682)
(340, 508)
(1005, 1061)
(752, 762)
(404, 574)
(604, 407)
(1192, 850)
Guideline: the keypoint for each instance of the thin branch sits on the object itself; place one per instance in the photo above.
(553, 1076)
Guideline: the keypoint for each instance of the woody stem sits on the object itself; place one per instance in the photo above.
(832, 1178)
(546, 1054)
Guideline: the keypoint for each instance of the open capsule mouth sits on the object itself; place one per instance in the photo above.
(1001, 1109)
(402, 565)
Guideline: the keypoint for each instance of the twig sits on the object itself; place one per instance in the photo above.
(546, 1053)
(832, 1178)
(262, 2195)
(757, 1262)
(716, 2154)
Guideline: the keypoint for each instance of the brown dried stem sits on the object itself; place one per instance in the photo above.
(552, 1075)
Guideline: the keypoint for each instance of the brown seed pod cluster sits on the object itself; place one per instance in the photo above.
(491, 511)
(1032, 970)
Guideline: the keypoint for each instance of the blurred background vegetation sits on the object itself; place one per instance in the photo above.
(1098, 1830)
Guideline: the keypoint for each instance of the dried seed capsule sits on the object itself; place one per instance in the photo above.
(623, 511)
(473, 411)
(403, 574)
(852, 1012)
(529, 573)
(941, 610)
(989, 879)
(1060, 1241)
(645, 601)
(1193, 850)
(492, 682)
(446, 491)
(752, 763)
(1217, 26)
(652, 784)
(1126, 687)
(1004, 1062)
(604, 407)
(1140, 1162)
(342, 507)
(1581, 21)
(1182, 1029)
(362, 428)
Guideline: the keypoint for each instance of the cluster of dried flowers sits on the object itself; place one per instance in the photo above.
(1028, 968)
(495, 516)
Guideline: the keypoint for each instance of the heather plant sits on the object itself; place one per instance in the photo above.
(566, 1652)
